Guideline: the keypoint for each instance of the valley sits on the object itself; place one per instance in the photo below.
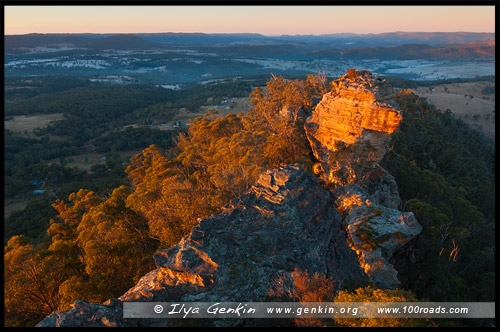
(172, 59)
(184, 66)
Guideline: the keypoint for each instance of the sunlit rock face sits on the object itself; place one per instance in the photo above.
(359, 109)
(375, 231)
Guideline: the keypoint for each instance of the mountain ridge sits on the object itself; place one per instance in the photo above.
(326, 40)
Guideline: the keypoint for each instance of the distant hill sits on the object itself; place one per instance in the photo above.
(13, 42)
(472, 50)
(121, 41)
(348, 39)
(204, 38)
(352, 40)
(394, 45)
(438, 37)
(98, 41)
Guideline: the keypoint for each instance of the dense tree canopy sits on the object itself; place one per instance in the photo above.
(445, 171)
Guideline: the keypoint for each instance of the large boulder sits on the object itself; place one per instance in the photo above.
(359, 110)
(375, 232)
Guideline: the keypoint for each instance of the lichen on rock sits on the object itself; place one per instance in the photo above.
(375, 232)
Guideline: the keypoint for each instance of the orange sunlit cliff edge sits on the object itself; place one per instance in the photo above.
(359, 109)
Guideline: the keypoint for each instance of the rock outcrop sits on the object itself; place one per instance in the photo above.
(285, 221)
(288, 221)
(291, 114)
(359, 109)
(374, 232)
(108, 314)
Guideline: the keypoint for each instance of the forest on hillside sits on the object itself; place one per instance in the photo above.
(96, 118)
(98, 245)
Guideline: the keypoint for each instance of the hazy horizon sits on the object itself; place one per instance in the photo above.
(238, 33)
(264, 20)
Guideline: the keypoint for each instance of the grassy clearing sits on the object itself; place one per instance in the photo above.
(85, 161)
(23, 125)
(465, 100)
(14, 204)
(232, 105)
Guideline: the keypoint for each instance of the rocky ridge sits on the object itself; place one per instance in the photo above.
(286, 220)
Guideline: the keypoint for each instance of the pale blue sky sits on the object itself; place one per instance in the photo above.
(267, 20)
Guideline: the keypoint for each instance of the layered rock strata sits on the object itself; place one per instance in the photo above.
(359, 109)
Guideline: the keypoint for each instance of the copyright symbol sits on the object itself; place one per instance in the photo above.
(158, 309)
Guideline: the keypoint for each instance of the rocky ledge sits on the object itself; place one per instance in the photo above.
(285, 221)
(374, 232)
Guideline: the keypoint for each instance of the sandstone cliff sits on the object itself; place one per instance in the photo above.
(359, 109)
(287, 220)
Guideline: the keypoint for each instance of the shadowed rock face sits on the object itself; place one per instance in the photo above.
(108, 314)
(358, 109)
(285, 221)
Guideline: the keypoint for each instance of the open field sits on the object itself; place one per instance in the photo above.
(433, 70)
(12, 205)
(24, 124)
(466, 101)
(85, 161)
(232, 105)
